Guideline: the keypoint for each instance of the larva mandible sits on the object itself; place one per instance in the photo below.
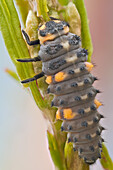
(64, 63)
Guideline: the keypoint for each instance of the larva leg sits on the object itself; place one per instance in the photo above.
(35, 59)
(36, 42)
(33, 78)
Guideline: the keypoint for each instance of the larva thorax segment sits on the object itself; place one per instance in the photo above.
(52, 29)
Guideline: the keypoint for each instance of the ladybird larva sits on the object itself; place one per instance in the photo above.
(64, 63)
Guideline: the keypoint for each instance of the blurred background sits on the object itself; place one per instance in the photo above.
(23, 144)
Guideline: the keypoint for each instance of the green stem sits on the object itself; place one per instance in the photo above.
(56, 154)
(105, 159)
(73, 160)
(43, 9)
(85, 33)
(24, 8)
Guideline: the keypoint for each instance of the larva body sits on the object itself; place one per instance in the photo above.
(64, 63)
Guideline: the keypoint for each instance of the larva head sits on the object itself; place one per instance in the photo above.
(52, 29)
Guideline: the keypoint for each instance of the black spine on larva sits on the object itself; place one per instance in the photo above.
(75, 91)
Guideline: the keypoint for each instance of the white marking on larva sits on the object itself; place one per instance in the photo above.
(84, 97)
(96, 146)
(93, 135)
(81, 84)
(90, 122)
(75, 113)
(65, 45)
(87, 110)
(72, 58)
(90, 161)
(77, 70)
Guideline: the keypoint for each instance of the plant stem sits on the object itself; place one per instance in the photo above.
(43, 9)
(85, 33)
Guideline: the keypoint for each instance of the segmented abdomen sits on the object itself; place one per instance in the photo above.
(68, 73)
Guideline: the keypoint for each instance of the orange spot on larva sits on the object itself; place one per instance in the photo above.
(49, 79)
(68, 114)
(97, 103)
(50, 36)
(89, 66)
(66, 29)
(58, 115)
(47, 37)
(59, 76)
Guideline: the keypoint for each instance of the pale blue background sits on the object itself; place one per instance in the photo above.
(23, 144)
